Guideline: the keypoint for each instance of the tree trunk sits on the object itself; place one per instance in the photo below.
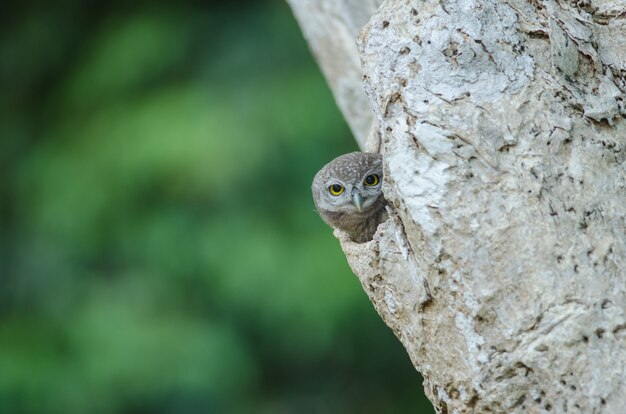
(331, 27)
(503, 266)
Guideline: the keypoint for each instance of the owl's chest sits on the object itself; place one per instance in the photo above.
(360, 226)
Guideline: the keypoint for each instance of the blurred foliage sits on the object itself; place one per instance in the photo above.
(159, 248)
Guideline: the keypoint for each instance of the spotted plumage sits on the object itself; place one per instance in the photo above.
(348, 194)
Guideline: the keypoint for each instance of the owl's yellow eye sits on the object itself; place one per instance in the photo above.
(372, 180)
(336, 189)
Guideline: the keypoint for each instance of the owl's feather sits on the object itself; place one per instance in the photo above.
(341, 211)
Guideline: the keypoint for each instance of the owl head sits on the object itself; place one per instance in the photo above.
(349, 185)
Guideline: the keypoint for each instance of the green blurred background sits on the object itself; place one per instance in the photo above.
(159, 252)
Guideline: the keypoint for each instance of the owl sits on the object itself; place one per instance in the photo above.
(348, 194)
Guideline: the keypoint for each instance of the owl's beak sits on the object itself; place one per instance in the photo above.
(357, 200)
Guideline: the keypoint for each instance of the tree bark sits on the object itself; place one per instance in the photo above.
(330, 27)
(502, 268)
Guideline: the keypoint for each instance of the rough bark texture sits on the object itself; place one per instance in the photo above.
(502, 268)
(331, 27)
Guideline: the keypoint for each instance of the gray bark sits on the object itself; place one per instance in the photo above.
(502, 268)
(330, 28)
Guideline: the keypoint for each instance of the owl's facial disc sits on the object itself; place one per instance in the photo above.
(357, 197)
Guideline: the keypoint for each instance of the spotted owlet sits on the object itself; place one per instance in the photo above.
(348, 194)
